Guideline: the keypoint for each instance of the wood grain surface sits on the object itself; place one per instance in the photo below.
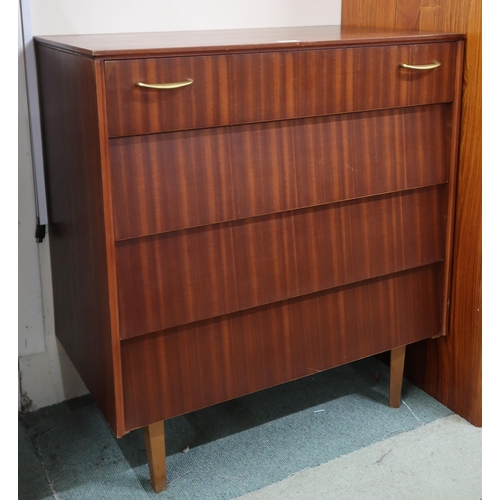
(258, 87)
(180, 370)
(127, 45)
(181, 180)
(190, 275)
(452, 371)
(77, 230)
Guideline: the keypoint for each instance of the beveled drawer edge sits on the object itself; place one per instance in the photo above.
(269, 214)
(305, 296)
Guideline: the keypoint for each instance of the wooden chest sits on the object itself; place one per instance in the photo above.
(232, 210)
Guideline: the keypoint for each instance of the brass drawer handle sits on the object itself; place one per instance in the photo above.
(435, 64)
(162, 86)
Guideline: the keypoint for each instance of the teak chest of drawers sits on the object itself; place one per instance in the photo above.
(232, 210)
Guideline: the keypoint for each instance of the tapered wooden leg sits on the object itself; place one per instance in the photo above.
(396, 381)
(154, 435)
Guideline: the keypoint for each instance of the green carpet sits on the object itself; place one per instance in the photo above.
(67, 451)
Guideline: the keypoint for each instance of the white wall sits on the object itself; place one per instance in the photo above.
(46, 374)
(51, 17)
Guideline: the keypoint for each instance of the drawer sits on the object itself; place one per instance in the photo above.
(186, 276)
(267, 86)
(183, 369)
(179, 180)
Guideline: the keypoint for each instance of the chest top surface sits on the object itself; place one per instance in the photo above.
(194, 42)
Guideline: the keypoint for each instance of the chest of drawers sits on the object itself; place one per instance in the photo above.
(233, 210)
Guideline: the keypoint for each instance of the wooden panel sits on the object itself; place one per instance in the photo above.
(259, 261)
(362, 13)
(77, 230)
(187, 368)
(407, 13)
(453, 364)
(258, 87)
(186, 179)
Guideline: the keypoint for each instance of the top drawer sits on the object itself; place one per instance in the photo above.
(266, 86)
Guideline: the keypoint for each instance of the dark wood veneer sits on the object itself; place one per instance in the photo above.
(212, 361)
(79, 264)
(258, 87)
(186, 179)
(267, 259)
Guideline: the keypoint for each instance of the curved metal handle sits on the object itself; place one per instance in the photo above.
(163, 86)
(435, 64)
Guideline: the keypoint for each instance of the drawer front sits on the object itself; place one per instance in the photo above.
(166, 182)
(187, 368)
(267, 86)
(186, 276)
